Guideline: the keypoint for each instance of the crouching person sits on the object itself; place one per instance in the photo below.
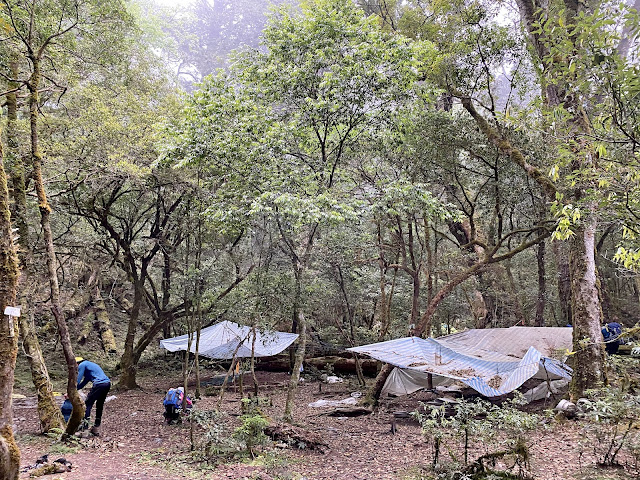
(91, 372)
(174, 402)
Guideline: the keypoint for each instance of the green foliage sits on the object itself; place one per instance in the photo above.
(251, 432)
(403, 197)
(211, 439)
(611, 426)
(274, 133)
(628, 258)
(497, 430)
(252, 406)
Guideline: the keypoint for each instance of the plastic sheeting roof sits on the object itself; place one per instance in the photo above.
(494, 362)
(513, 342)
(221, 340)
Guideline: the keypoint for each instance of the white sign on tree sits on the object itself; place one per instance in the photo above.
(11, 312)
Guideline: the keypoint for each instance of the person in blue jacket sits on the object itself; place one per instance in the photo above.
(91, 372)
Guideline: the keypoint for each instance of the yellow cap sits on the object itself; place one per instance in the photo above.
(79, 359)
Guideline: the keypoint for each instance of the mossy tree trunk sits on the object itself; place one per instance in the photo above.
(48, 411)
(15, 166)
(45, 222)
(560, 92)
(588, 369)
(9, 452)
(295, 374)
(128, 364)
(373, 394)
(519, 310)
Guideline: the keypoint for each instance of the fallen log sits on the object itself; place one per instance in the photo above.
(87, 327)
(103, 322)
(344, 365)
(296, 437)
(348, 412)
(338, 364)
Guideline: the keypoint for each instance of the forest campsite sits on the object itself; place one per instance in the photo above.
(319, 239)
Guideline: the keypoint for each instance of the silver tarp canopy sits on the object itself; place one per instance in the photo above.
(494, 361)
(223, 339)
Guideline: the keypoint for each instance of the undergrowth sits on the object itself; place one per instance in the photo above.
(499, 432)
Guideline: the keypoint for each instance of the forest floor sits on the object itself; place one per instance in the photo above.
(136, 443)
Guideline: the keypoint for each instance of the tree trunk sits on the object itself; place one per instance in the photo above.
(386, 315)
(608, 311)
(196, 361)
(9, 452)
(588, 368)
(373, 394)
(488, 296)
(187, 357)
(301, 347)
(560, 252)
(294, 328)
(542, 286)
(430, 257)
(127, 365)
(381, 306)
(48, 411)
(514, 291)
(45, 222)
(15, 167)
(415, 299)
(295, 374)
(87, 328)
(198, 294)
(191, 321)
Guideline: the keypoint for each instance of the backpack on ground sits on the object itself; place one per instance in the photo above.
(173, 398)
(174, 402)
(611, 333)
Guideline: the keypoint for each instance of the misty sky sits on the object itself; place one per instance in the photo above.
(173, 2)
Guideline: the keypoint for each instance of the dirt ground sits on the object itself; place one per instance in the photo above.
(136, 444)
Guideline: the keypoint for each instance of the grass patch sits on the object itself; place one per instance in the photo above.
(61, 448)
(29, 439)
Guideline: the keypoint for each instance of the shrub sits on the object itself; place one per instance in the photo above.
(610, 428)
(500, 430)
(210, 439)
(251, 432)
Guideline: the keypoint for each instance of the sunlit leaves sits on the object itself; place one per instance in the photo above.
(404, 198)
(628, 258)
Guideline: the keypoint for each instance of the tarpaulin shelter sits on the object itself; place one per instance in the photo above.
(222, 340)
(492, 361)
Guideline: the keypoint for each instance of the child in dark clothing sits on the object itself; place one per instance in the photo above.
(66, 408)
